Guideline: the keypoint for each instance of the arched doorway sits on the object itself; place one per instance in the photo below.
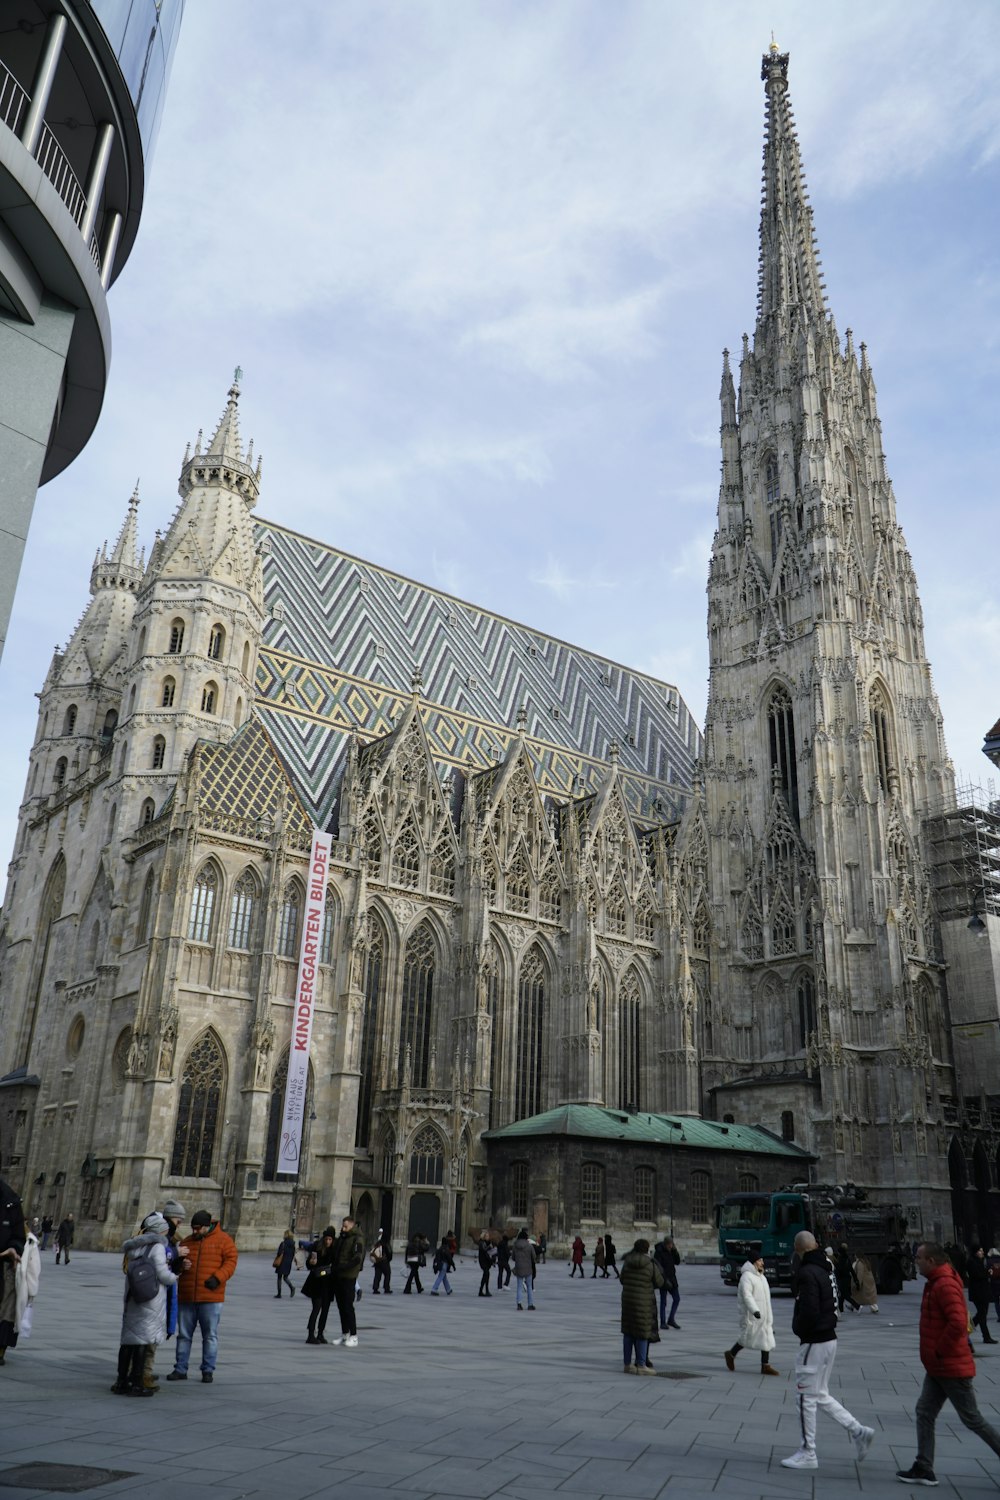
(425, 1216)
(365, 1217)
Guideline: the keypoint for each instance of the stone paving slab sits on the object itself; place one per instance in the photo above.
(452, 1397)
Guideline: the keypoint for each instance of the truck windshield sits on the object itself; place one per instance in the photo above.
(745, 1213)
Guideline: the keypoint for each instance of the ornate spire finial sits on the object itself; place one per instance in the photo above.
(522, 719)
(416, 682)
(790, 287)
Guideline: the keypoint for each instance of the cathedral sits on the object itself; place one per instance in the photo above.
(553, 905)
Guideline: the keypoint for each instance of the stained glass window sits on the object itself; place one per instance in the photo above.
(199, 1109)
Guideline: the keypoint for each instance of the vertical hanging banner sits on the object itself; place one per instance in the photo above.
(290, 1145)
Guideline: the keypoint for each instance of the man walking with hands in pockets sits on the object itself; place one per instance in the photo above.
(815, 1324)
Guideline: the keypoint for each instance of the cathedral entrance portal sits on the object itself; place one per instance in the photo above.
(425, 1216)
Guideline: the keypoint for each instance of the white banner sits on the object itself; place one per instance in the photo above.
(290, 1144)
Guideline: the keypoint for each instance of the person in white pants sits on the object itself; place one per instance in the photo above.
(815, 1323)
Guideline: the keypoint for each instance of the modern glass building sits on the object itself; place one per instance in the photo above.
(81, 93)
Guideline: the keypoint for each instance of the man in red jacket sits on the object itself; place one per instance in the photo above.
(946, 1356)
(201, 1291)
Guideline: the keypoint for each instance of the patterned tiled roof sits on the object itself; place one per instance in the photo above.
(345, 637)
(246, 780)
(682, 1131)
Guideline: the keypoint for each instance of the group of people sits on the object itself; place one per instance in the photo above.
(172, 1286)
(818, 1288)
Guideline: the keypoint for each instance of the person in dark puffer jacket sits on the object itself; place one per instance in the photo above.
(815, 1325)
(946, 1356)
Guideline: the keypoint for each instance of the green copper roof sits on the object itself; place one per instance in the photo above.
(683, 1131)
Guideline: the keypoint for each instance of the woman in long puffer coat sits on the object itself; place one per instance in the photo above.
(640, 1278)
(144, 1323)
(756, 1319)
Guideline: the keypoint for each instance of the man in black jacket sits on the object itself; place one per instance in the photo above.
(815, 1323)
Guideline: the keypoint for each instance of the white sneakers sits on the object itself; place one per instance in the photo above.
(351, 1342)
(862, 1440)
(803, 1458)
(338, 1340)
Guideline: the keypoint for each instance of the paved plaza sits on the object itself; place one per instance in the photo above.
(455, 1396)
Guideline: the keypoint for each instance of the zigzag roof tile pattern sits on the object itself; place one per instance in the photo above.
(345, 637)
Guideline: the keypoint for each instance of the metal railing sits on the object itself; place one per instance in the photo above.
(50, 156)
(13, 99)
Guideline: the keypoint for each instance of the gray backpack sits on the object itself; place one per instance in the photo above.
(143, 1283)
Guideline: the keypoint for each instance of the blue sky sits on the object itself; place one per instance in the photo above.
(479, 261)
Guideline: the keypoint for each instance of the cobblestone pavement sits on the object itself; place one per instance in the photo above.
(458, 1396)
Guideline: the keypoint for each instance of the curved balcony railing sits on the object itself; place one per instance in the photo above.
(49, 155)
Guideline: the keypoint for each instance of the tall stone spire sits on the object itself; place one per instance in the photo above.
(790, 286)
(226, 442)
(100, 637)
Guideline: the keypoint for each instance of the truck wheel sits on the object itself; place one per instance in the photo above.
(890, 1282)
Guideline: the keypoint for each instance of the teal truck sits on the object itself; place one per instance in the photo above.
(765, 1224)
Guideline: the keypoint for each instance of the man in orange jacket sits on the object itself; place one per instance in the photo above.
(946, 1355)
(201, 1291)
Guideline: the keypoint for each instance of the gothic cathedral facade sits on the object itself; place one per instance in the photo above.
(545, 887)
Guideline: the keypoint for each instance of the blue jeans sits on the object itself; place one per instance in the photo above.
(203, 1315)
(525, 1282)
(441, 1279)
(675, 1298)
(640, 1346)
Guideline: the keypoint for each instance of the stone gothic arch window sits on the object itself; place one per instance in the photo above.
(329, 928)
(930, 1018)
(69, 721)
(385, 1158)
(203, 896)
(644, 1195)
(199, 1109)
(59, 775)
(592, 1191)
(176, 643)
(442, 873)
(427, 1159)
(167, 695)
(781, 747)
(216, 642)
(616, 910)
(372, 836)
(631, 1042)
(497, 1014)
(159, 753)
(531, 1020)
(491, 879)
(370, 1029)
(243, 911)
(519, 883)
(879, 711)
(148, 812)
(644, 918)
(289, 919)
(246, 659)
(108, 729)
(209, 698)
(753, 937)
(275, 1115)
(851, 475)
(700, 928)
(550, 894)
(406, 857)
(806, 997)
(417, 1006)
(145, 909)
(783, 938)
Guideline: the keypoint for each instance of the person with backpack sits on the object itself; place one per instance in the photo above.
(144, 1319)
(381, 1259)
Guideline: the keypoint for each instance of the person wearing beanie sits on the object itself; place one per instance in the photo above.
(210, 1261)
(143, 1323)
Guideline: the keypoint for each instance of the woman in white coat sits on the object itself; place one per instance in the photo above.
(26, 1283)
(144, 1323)
(756, 1319)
